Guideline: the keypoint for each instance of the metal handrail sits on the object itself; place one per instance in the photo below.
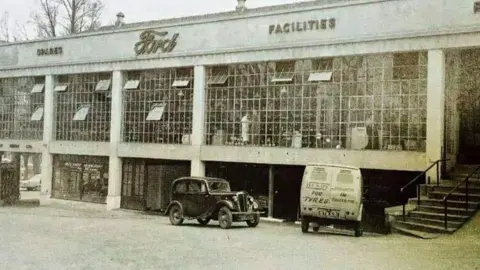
(445, 199)
(417, 177)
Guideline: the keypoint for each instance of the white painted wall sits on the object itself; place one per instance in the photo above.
(354, 23)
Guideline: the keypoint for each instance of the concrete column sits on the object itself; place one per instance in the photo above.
(48, 136)
(115, 163)
(198, 121)
(271, 191)
(435, 108)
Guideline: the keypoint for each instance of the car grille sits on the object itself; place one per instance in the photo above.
(242, 202)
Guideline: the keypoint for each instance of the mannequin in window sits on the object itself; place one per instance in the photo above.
(255, 127)
(246, 127)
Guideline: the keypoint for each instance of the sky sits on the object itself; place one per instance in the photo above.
(137, 10)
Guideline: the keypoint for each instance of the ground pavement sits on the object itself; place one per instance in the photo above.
(60, 237)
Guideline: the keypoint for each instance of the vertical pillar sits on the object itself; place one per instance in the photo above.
(271, 191)
(198, 121)
(435, 108)
(115, 163)
(48, 131)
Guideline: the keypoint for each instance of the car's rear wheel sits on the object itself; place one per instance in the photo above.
(203, 221)
(254, 221)
(176, 215)
(225, 218)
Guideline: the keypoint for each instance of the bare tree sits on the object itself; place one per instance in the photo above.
(9, 33)
(4, 27)
(67, 17)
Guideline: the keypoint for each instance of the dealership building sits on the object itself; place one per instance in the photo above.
(251, 95)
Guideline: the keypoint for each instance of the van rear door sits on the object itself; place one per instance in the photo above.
(346, 193)
(315, 192)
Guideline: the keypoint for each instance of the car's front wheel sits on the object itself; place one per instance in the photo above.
(254, 221)
(176, 215)
(203, 221)
(225, 218)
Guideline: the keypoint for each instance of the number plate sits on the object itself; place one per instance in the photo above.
(329, 213)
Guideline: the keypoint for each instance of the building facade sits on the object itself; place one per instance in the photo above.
(250, 95)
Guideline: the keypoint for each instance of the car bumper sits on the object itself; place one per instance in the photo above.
(244, 216)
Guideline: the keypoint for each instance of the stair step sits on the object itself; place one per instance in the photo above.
(424, 235)
(439, 216)
(456, 196)
(435, 222)
(423, 227)
(437, 202)
(452, 181)
(461, 189)
(450, 210)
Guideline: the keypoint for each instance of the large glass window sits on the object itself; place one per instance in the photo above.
(83, 107)
(357, 102)
(158, 106)
(21, 108)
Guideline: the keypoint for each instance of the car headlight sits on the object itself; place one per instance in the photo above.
(255, 205)
(235, 198)
(250, 199)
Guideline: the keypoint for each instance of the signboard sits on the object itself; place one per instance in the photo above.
(301, 26)
(152, 41)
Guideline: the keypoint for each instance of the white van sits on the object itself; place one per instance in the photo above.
(331, 194)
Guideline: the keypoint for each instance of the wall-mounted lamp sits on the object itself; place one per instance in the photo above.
(283, 90)
(180, 94)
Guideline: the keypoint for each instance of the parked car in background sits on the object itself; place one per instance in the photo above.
(33, 183)
(205, 199)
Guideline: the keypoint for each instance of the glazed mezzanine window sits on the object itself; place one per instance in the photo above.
(158, 106)
(82, 104)
(22, 106)
(358, 102)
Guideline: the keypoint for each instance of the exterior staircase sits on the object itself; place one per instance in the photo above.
(427, 219)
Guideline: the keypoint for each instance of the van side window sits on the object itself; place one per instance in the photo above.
(319, 174)
(345, 177)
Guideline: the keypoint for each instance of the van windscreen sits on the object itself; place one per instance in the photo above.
(345, 177)
(319, 174)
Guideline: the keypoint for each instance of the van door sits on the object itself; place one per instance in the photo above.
(345, 192)
(315, 194)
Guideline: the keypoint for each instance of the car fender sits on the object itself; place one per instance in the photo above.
(172, 203)
(226, 203)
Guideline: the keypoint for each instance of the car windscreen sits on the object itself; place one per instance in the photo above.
(217, 186)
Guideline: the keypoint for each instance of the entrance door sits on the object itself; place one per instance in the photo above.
(469, 152)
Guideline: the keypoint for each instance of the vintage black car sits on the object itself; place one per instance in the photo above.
(205, 198)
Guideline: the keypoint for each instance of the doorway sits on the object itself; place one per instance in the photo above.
(469, 99)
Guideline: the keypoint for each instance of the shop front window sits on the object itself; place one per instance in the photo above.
(375, 102)
(80, 178)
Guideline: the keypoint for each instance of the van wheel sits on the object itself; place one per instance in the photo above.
(316, 228)
(305, 225)
(358, 230)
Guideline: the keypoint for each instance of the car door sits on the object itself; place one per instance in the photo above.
(180, 194)
(196, 197)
